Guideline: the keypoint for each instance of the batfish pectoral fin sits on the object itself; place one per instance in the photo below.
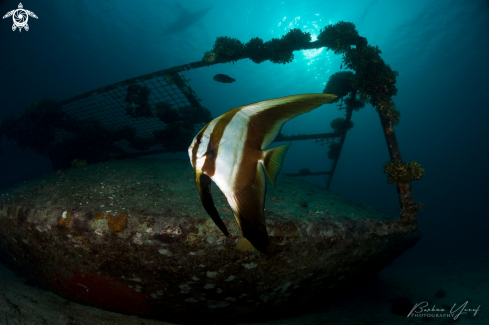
(204, 185)
(247, 204)
(273, 160)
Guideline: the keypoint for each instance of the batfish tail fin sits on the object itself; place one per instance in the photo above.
(273, 160)
(204, 185)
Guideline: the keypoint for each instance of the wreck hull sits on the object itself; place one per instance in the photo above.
(132, 237)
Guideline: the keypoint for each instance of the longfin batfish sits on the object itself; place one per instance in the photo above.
(230, 151)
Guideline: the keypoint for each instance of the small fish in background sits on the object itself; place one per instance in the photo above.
(230, 151)
(223, 78)
(341, 66)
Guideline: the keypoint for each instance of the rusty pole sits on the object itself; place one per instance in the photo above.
(342, 141)
(404, 190)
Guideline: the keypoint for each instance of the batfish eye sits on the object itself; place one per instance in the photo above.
(199, 139)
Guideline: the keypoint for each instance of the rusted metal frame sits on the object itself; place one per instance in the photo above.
(404, 190)
(162, 73)
(320, 141)
(295, 137)
(200, 64)
(104, 89)
(342, 141)
(127, 82)
(308, 174)
(331, 135)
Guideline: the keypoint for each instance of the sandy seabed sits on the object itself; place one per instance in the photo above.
(22, 302)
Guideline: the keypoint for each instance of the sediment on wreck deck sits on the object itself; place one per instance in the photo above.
(132, 236)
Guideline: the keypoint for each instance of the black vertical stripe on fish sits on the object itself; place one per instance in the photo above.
(196, 146)
(209, 166)
(204, 184)
(223, 78)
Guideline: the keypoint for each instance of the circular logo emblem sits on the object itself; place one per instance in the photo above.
(20, 18)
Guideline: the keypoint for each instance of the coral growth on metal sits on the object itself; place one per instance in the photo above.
(132, 237)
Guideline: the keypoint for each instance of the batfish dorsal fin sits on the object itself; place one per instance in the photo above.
(273, 160)
(247, 204)
(271, 114)
(204, 185)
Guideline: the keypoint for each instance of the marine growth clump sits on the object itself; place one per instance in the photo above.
(401, 172)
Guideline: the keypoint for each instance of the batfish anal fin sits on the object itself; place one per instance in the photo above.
(269, 116)
(204, 185)
(248, 207)
(273, 160)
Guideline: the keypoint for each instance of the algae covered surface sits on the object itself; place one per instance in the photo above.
(21, 302)
(154, 186)
(132, 237)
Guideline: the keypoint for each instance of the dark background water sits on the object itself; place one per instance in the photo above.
(440, 49)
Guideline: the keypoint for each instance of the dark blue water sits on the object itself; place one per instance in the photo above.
(440, 49)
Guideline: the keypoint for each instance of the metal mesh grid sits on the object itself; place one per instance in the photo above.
(125, 119)
(108, 106)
